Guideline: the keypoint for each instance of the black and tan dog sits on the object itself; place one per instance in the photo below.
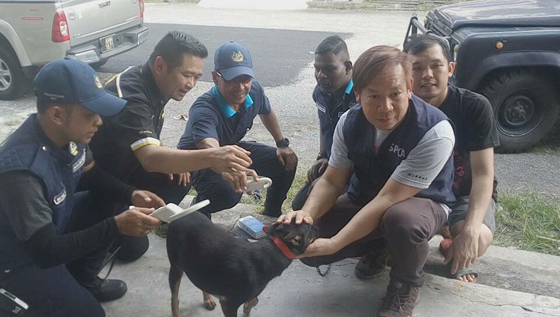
(232, 269)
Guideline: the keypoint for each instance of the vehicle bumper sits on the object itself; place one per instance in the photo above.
(92, 53)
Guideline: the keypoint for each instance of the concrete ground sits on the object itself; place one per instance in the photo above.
(519, 283)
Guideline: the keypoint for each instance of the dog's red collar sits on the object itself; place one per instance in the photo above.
(282, 246)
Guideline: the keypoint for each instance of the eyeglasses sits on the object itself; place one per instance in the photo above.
(242, 79)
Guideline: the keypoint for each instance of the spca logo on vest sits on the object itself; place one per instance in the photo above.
(397, 150)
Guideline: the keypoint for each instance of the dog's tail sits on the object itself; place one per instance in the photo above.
(175, 275)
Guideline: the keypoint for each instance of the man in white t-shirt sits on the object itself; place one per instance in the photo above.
(399, 148)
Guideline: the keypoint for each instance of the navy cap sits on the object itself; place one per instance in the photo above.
(232, 60)
(68, 81)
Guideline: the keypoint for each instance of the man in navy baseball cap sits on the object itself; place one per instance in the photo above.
(223, 116)
(56, 233)
(232, 60)
(70, 81)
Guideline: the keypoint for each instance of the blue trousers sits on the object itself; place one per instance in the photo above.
(210, 185)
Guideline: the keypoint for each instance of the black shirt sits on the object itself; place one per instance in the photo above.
(475, 130)
(137, 125)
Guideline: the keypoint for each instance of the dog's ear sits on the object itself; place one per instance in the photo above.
(275, 229)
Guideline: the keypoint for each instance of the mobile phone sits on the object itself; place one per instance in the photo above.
(9, 302)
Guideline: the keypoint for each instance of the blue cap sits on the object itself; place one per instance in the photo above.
(68, 81)
(232, 60)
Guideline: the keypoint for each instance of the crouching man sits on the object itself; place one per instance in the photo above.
(400, 149)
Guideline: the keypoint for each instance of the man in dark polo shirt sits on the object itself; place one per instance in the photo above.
(223, 116)
(128, 145)
(333, 95)
(471, 221)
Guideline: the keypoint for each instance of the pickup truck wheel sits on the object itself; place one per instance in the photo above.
(526, 107)
(13, 82)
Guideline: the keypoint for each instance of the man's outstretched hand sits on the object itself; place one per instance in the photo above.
(230, 159)
(299, 215)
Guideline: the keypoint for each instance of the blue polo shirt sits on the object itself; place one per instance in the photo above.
(212, 117)
(329, 110)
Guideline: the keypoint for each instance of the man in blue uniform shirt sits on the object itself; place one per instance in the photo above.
(223, 116)
(333, 95)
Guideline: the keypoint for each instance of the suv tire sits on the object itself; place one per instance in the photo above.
(13, 82)
(526, 107)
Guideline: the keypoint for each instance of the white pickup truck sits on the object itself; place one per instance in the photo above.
(35, 32)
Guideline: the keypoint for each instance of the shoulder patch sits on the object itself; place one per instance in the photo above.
(59, 199)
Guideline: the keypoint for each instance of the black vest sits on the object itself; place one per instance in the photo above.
(29, 149)
(372, 171)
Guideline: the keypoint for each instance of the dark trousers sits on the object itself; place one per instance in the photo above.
(210, 185)
(56, 291)
(405, 231)
(50, 292)
(303, 193)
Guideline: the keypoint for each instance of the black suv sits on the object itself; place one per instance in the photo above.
(510, 52)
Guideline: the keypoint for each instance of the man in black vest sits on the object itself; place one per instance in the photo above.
(471, 220)
(333, 95)
(400, 149)
(55, 225)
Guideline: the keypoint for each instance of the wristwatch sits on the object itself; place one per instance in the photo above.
(283, 143)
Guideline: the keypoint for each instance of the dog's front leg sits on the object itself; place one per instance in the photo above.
(209, 302)
(249, 305)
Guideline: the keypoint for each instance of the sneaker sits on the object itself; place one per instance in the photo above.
(371, 265)
(106, 290)
(399, 300)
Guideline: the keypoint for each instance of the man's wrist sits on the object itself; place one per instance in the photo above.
(471, 229)
(283, 142)
(322, 155)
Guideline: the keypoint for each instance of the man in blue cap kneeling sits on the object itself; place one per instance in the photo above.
(223, 116)
(55, 227)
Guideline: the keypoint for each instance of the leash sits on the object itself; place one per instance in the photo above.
(110, 258)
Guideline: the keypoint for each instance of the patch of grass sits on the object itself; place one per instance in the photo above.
(161, 230)
(529, 222)
(298, 183)
(546, 149)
